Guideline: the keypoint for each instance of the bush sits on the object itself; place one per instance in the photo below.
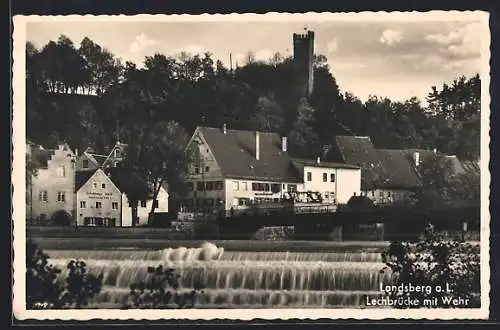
(44, 288)
(159, 291)
(435, 263)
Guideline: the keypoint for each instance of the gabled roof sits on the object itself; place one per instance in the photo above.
(81, 177)
(359, 150)
(234, 152)
(401, 173)
(96, 158)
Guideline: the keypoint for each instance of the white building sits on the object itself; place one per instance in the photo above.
(336, 182)
(237, 168)
(144, 208)
(50, 193)
(98, 199)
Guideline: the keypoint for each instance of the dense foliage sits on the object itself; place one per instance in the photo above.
(45, 289)
(160, 291)
(85, 95)
(448, 268)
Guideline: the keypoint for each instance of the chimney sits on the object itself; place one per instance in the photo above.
(76, 152)
(416, 158)
(318, 160)
(224, 128)
(284, 146)
(257, 145)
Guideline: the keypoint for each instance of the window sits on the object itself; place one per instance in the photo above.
(43, 196)
(332, 177)
(103, 185)
(196, 169)
(61, 196)
(143, 203)
(83, 204)
(61, 171)
(245, 185)
(200, 186)
(292, 187)
(98, 205)
(114, 205)
(117, 153)
(210, 186)
(207, 169)
(373, 193)
(219, 185)
(325, 177)
(309, 176)
(259, 186)
(190, 186)
(236, 185)
(275, 188)
(85, 163)
(155, 203)
(94, 184)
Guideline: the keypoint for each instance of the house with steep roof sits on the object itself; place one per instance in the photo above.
(49, 193)
(91, 160)
(388, 175)
(98, 200)
(236, 168)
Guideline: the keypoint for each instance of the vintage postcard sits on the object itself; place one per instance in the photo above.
(251, 166)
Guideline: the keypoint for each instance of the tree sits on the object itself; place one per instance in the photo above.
(154, 157)
(45, 289)
(442, 185)
(432, 263)
(302, 136)
(268, 115)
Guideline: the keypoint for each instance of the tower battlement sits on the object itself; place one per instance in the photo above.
(308, 35)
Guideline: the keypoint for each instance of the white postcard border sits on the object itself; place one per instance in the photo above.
(18, 179)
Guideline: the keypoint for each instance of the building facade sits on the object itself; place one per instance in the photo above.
(98, 199)
(336, 182)
(50, 198)
(143, 209)
(238, 169)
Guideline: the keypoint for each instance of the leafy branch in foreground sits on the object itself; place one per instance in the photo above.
(159, 291)
(435, 263)
(45, 289)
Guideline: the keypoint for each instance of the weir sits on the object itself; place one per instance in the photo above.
(240, 279)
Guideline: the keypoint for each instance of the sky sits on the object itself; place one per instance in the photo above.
(396, 59)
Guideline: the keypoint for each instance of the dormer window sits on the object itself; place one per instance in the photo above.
(117, 153)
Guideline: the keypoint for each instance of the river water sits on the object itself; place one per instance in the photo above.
(233, 279)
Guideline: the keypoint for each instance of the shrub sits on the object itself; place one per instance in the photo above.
(435, 263)
(159, 291)
(44, 288)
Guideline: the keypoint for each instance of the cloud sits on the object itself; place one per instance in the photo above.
(140, 42)
(462, 42)
(391, 37)
(192, 49)
(263, 55)
(347, 66)
(332, 46)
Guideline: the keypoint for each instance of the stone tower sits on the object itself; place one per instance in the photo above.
(303, 53)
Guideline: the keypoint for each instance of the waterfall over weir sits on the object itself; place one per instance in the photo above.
(240, 279)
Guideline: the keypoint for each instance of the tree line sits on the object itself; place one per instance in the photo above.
(86, 96)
